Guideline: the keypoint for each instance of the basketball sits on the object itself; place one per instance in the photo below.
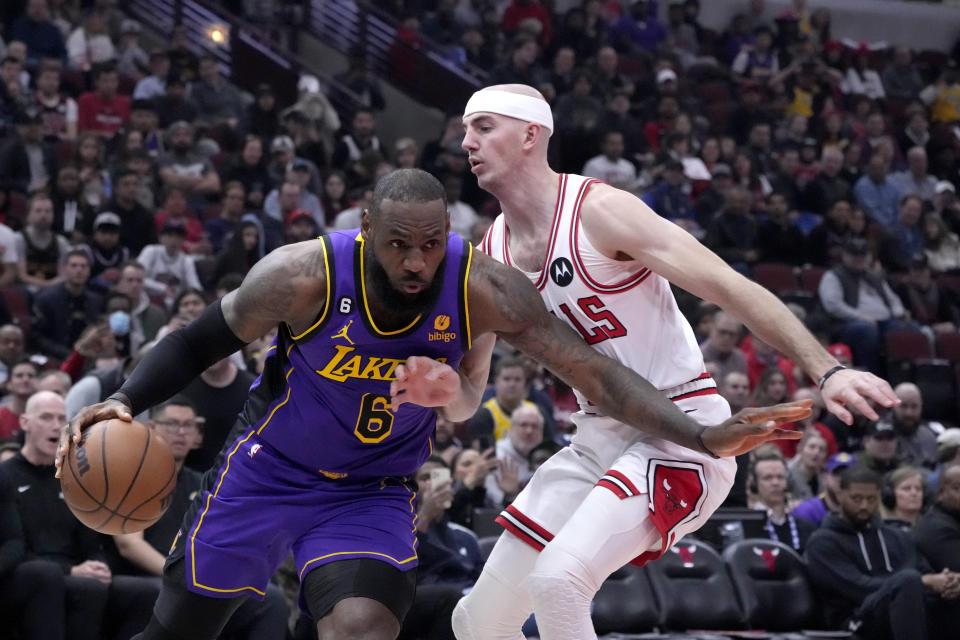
(120, 478)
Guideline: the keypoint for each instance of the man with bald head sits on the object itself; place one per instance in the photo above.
(53, 533)
(918, 437)
(603, 262)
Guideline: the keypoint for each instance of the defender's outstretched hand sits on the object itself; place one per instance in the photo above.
(753, 426)
(852, 388)
(424, 381)
(85, 418)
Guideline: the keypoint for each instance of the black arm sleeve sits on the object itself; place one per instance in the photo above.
(179, 358)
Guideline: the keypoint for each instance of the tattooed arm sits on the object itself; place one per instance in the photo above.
(510, 306)
(288, 286)
(503, 301)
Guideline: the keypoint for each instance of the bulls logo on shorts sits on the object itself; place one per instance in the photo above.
(676, 492)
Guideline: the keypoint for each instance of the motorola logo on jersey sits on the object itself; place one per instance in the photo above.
(561, 272)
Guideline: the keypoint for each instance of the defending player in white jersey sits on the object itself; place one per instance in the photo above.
(603, 262)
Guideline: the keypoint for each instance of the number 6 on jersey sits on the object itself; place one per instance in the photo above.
(375, 420)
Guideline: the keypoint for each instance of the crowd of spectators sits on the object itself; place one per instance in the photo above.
(138, 183)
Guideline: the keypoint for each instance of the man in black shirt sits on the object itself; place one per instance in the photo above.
(137, 227)
(99, 605)
(31, 591)
(869, 573)
(63, 311)
(938, 533)
(218, 395)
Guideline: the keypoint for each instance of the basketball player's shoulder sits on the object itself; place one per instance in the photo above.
(500, 297)
(285, 285)
(602, 201)
(610, 217)
(297, 265)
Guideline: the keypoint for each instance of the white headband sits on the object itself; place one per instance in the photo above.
(513, 105)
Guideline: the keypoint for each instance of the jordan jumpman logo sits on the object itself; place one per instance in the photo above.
(343, 332)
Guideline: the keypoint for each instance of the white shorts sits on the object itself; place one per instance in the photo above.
(677, 488)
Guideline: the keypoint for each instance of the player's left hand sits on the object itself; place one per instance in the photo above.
(424, 381)
(851, 388)
(753, 426)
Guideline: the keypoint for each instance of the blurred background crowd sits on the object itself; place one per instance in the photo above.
(141, 177)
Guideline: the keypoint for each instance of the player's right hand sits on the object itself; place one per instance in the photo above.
(753, 426)
(85, 418)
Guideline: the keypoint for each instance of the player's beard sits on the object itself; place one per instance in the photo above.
(404, 304)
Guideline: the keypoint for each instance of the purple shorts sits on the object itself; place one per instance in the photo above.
(260, 507)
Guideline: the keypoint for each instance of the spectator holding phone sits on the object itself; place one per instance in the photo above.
(470, 471)
(449, 555)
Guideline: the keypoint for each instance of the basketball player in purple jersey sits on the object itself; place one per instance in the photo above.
(376, 336)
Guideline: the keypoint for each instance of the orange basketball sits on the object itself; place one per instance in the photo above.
(120, 478)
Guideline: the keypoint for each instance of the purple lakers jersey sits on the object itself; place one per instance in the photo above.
(323, 400)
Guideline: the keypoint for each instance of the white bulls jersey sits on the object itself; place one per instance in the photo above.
(621, 308)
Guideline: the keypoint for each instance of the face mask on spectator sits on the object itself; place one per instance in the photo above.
(120, 323)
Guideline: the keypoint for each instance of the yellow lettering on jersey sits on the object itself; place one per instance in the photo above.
(343, 365)
(349, 370)
(391, 372)
(372, 370)
(333, 475)
(341, 353)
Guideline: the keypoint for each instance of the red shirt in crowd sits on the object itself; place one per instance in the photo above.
(517, 13)
(9, 424)
(101, 116)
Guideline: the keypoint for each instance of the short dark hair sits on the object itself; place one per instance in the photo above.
(38, 196)
(911, 196)
(752, 472)
(407, 185)
(47, 66)
(856, 474)
(27, 361)
(234, 184)
(437, 459)
(178, 400)
(102, 68)
(123, 173)
(113, 295)
(183, 294)
(76, 252)
(507, 362)
(134, 264)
